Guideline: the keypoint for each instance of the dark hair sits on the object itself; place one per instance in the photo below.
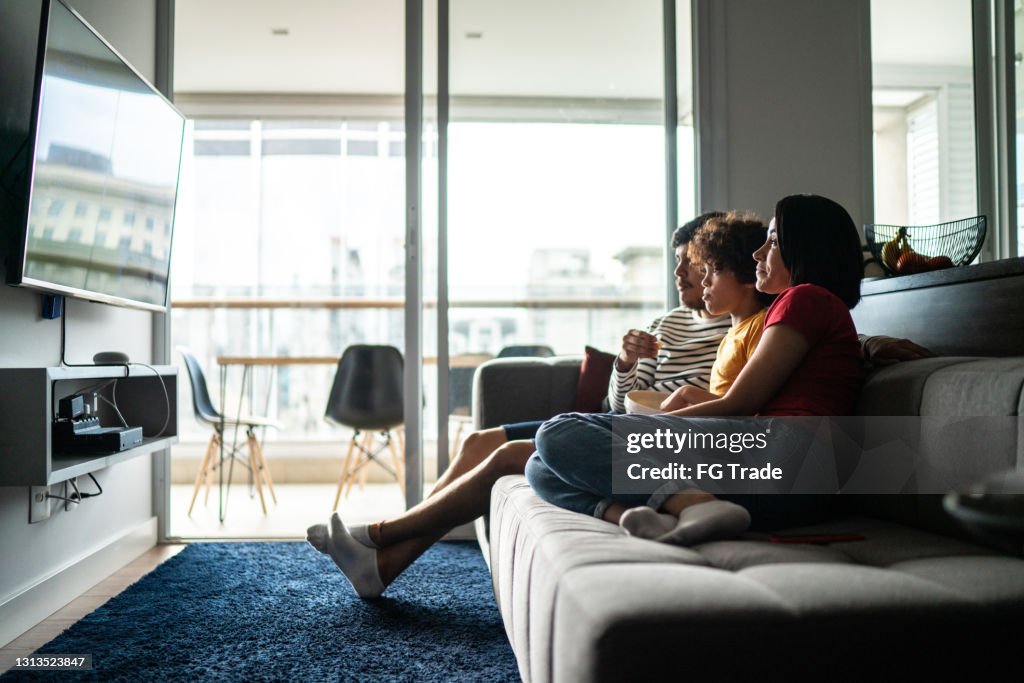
(728, 242)
(820, 245)
(684, 233)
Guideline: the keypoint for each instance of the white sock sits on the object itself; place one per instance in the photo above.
(645, 522)
(361, 532)
(357, 562)
(709, 521)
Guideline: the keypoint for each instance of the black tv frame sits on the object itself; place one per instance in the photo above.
(23, 23)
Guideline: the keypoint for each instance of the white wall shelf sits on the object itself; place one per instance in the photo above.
(28, 405)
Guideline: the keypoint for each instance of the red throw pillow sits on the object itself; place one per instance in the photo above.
(595, 373)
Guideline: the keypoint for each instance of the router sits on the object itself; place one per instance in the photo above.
(85, 435)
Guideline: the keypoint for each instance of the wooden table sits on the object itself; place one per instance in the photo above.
(250, 362)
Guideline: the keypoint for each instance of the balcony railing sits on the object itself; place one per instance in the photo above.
(336, 302)
(322, 327)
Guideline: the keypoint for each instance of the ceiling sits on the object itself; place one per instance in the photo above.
(580, 48)
(921, 32)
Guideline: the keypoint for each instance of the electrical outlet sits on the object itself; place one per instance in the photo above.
(38, 504)
(42, 500)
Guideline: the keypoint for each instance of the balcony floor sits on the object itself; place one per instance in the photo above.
(298, 506)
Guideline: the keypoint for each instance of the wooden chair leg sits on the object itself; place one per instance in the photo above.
(361, 464)
(255, 467)
(397, 461)
(367, 445)
(202, 471)
(354, 473)
(344, 470)
(265, 469)
(214, 466)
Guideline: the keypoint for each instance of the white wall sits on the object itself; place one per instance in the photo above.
(891, 166)
(783, 100)
(31, 553)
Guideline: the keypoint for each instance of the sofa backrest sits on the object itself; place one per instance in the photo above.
(970, 426)
(507, 390)
(957, 388)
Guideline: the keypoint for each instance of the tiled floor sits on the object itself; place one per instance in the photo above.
(59, 621)
(298, 506)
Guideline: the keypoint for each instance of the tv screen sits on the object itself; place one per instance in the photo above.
(105, 173)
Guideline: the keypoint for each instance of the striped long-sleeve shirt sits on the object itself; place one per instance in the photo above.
(689, 344)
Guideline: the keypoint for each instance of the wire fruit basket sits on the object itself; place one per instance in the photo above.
(904, 249)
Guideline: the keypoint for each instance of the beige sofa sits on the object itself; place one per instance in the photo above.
(920, 596)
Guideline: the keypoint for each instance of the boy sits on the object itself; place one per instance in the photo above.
(724, 246)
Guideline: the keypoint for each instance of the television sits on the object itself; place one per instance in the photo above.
(103, 156)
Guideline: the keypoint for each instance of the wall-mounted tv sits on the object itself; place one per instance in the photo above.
(105, 153)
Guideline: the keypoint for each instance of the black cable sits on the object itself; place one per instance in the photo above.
(63, 338)
(167, 400)
(66, 500)
(127, 372)
(77, 497)
(99, 489)
(113, 404)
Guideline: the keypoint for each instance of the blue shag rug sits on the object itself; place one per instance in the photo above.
(283, 612)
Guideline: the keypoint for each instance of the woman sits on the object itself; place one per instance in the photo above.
(808, 362)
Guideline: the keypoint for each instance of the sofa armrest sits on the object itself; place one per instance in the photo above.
(507, 390)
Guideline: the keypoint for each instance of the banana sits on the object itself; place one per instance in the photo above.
(893, 249)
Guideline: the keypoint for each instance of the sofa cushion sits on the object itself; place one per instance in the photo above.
(989, 386)
(595, 373)
(898, 389)
(969, 404)
(583, 601)
(955, 398)
(540, 543)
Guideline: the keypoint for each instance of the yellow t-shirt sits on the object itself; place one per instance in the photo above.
(735, 350)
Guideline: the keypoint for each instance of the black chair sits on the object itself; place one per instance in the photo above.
(520, 350)
(206, 413)
(367, 397)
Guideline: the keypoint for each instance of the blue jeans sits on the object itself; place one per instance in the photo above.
(518, 431)
(572, 465)
(576, 452)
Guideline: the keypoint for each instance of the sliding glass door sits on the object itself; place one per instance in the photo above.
(555, 181)
(289, 247)
(538, 224)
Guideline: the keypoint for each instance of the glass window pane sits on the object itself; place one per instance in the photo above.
(685, 134)
(1018, 32)
(290, 236)
(924, 131)
(556, 174)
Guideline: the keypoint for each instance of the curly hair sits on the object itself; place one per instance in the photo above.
(728, 242)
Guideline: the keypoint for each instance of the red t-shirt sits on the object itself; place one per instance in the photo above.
(828, 379)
